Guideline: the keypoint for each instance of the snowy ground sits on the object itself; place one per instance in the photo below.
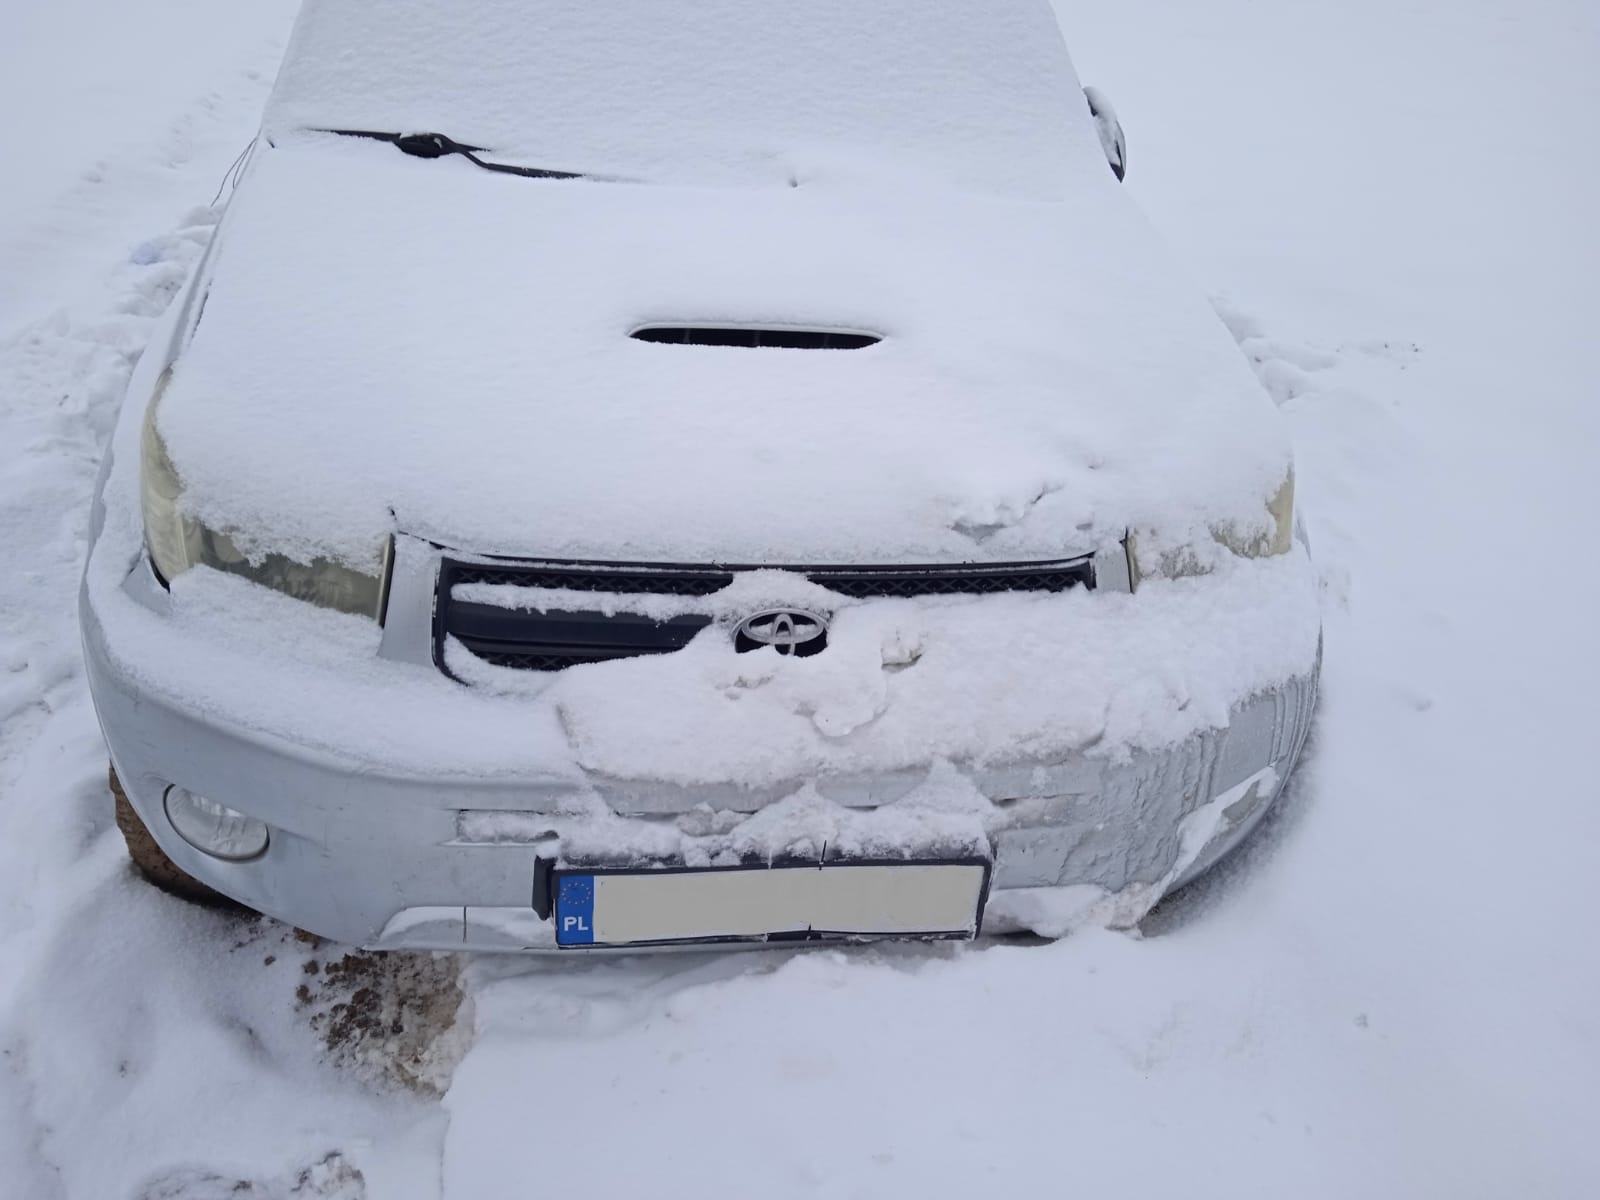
(1390, 995)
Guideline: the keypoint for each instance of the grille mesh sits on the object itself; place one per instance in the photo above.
(873, 584)
(532, 639)
(581, 577)
(539, 662)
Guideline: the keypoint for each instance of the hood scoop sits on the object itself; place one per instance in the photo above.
(777, 339)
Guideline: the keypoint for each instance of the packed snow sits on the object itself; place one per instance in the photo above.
(1390, 992)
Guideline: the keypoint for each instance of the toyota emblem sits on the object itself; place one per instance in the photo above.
(787, 630)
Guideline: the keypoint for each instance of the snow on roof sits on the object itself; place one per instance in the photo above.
(710, 91)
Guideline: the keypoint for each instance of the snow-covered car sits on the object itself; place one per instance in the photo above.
(637, 474)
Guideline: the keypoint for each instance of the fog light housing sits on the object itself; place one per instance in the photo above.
(214, 829)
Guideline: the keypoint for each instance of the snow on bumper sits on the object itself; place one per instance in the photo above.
(1110, 744)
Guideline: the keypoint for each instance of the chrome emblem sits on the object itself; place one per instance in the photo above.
(787, 630)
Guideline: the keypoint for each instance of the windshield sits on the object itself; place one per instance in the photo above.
(981, 91)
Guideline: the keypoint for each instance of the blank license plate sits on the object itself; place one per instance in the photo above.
(640, 908)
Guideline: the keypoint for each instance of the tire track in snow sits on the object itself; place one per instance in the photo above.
(58, 236)
(61, 382)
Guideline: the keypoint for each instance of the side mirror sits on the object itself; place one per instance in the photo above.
(1109, 129)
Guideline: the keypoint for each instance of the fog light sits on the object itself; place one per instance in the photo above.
(213, 828)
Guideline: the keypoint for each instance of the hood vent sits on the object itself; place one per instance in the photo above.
(782, 339)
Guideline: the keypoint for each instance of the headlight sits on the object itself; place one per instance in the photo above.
(177, 541)
(1150, 561)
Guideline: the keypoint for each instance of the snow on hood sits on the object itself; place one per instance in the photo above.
(392, 341)
(710, 92)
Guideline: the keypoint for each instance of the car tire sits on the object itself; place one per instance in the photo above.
(152, 861)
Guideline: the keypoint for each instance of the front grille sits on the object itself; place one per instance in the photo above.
(550, 640)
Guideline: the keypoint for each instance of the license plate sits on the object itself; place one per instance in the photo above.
(833, 900)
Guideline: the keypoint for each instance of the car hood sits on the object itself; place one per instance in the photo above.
(387, 342)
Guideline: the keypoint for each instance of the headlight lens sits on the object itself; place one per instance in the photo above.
(1146, 562)
(177, 541)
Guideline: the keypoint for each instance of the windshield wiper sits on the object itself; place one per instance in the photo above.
(436, 145)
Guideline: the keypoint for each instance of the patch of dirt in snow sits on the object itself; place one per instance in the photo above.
(391, 1017)
(387, 1019)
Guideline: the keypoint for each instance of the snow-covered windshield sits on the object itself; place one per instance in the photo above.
(981, 93)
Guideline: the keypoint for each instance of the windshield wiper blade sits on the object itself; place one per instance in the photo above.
(437, 145)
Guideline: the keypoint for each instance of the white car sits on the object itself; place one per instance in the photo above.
(634, 474)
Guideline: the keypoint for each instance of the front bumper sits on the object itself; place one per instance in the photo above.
(406, 856)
